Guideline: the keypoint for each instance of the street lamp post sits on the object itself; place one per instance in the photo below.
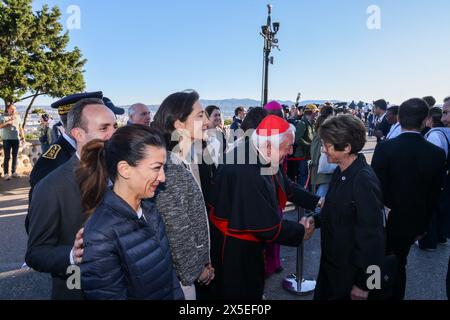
(269, 32)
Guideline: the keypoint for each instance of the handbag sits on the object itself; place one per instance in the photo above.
(324, 166)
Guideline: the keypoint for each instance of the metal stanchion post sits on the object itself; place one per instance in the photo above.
(295, 283)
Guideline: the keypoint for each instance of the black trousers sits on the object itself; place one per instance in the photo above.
(400, 247)
(436, 230)
(8, 146)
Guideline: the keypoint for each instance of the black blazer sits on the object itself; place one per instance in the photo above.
(55, 216)
(411, 172)
(384, 127)
(351, 224)
(59, 153)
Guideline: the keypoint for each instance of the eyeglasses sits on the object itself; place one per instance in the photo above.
(325, 145)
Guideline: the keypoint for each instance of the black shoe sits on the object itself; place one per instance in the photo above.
(427, 249)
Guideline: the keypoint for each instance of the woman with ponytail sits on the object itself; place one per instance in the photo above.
(180, 201)
(126, 251)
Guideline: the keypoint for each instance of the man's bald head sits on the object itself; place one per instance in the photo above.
(139, 113)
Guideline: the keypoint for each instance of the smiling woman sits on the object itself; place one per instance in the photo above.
(351, 220)
(180, 201)
(124, 236)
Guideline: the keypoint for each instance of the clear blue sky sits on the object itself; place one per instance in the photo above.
(141, 50)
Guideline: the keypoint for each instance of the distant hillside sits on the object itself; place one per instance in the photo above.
(226, 105)
(234, 103)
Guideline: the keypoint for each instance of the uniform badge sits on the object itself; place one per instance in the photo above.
(52, 153)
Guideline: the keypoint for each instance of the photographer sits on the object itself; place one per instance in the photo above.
(45, 133)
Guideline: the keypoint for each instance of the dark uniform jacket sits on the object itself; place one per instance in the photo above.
(55, 217)
(58, 154)
(352, 234)
(411, 171)
(126, 257)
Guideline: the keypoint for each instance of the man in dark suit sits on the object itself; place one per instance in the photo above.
(382, 126)
(445, 200)
(411, 172)
(55, 213)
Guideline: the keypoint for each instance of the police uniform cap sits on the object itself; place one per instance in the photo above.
(65, 104)
(117, 111)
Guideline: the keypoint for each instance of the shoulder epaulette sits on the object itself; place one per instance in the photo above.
(53, 152)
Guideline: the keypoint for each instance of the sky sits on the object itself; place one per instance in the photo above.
(144, 50)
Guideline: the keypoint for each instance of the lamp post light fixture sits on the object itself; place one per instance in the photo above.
(269, 31)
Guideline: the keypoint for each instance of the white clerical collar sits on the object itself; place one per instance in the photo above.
(70, 140)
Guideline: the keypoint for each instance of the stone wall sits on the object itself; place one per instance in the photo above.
(28, 156)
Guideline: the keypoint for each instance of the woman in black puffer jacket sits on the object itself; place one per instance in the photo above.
(126, 251)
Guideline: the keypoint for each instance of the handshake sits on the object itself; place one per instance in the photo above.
(308, 223)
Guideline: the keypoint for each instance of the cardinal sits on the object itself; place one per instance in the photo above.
(248, 192)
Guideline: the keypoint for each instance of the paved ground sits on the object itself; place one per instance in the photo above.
(426, 271)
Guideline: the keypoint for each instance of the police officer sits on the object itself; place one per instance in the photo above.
(55, 212)
(65, 147)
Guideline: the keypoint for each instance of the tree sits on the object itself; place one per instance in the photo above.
(15, 38)
(34, 59)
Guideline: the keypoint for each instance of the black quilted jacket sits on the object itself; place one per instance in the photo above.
(125, 257)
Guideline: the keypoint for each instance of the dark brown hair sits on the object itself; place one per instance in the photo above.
(210, 109)
(177, 106)
(99, 161)
(412, 114)
(342, 131)
(326, 112)
(435, 114)
(431, 101)
(254, 118)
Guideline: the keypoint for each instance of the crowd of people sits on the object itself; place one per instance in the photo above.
(176, 206)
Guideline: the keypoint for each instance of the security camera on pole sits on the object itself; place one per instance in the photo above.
(269, 32)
